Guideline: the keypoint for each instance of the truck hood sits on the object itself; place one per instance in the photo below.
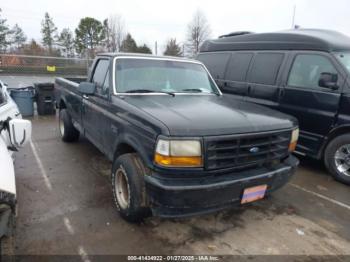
(206, 115)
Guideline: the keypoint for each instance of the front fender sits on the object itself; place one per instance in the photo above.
(7, 175)
(145, 152)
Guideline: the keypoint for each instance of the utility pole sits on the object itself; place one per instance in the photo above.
(156, 48)
(293, 18)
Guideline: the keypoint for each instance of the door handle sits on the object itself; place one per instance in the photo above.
(282, 92)
(249, 89)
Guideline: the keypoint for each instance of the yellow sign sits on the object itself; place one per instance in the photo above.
(51, 68)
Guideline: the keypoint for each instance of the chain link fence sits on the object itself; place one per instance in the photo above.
(12, 64)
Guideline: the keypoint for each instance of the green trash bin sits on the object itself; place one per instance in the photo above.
(24, 98)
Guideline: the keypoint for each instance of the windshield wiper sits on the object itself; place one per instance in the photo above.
(149, 91)
(192, 90)
(197, 90)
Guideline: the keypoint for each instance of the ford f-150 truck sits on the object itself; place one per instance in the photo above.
(178, 146)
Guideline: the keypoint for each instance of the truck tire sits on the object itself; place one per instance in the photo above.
(68, 132)
(337, 158)
(7, 243)
(129, 188)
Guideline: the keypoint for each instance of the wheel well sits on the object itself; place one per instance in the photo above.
(62, 105)
(122, 149)
(338, 132)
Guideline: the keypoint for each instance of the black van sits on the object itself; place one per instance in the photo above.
(302, 72)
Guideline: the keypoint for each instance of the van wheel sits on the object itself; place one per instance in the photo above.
(68, 132)
(337, 158)
(129, 188)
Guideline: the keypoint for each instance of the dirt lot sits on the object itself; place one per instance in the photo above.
(65, 207)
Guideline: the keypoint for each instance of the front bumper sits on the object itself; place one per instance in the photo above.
(178, 197)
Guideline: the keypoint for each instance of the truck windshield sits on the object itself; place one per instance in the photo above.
(344, 58)
(152, 75)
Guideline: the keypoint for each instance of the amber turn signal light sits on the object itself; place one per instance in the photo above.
(178, 161)
(293, 140)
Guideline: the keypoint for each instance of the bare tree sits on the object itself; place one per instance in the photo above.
(66, 41)
(115, 32)
(198, 30)
(107, 34)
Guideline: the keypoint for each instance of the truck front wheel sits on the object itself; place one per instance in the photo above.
(67, 130)
(128, 188)
(337, 158)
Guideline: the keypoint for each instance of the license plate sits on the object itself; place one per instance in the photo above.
(253, 193)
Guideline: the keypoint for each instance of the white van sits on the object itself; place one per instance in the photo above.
(14, 133)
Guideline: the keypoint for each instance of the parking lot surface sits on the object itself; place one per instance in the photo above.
(17, 81)
(65, 206)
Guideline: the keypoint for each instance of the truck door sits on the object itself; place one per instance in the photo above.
(263, 82)
(93, 120)
(315, 107)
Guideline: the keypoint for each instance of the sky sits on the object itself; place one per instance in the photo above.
(158, 20)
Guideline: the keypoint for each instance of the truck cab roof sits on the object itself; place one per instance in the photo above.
(298, 39)
(149, 56)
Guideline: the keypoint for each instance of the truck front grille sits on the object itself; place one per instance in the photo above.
(245, 151)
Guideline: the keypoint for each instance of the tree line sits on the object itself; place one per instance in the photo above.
(93, 36)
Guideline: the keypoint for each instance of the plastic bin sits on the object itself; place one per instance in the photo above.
(45, 98)
(24, 98)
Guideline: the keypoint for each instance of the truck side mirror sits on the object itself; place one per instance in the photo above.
(20, 131)
(87, 88)
(328, 80)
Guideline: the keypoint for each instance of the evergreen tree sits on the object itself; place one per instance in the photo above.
(173, 48)
(18, 37)
(48, 30)
(129, 44)
(4, 34)
(89, 35)
(144, 49)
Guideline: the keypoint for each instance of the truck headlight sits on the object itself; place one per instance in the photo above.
(293, 140)
(178, 153)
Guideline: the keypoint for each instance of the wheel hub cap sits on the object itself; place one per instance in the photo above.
(61, 126)
(342, 159)
(122, 188)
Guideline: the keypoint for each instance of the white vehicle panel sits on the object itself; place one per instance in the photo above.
(7, 174)
(8, 109)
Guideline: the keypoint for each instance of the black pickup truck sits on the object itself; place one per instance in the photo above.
(178, 146)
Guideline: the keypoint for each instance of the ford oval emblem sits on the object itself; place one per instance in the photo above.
(254, 150)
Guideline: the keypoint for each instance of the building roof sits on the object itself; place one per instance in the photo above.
(298, 39)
